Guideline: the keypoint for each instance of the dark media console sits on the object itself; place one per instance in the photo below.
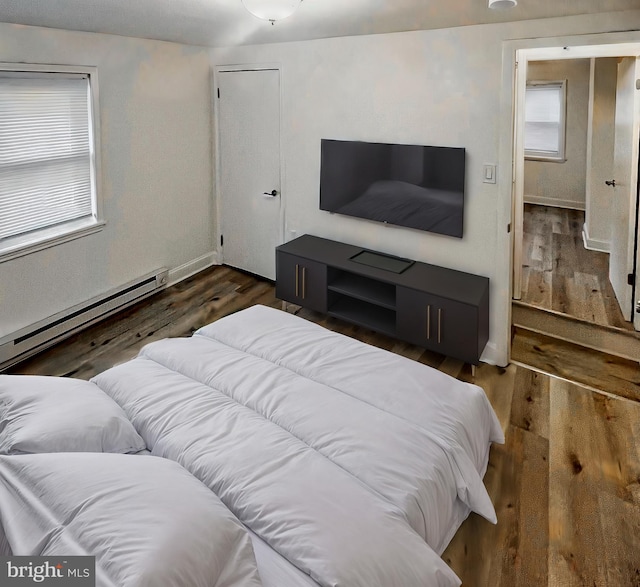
(440, 309)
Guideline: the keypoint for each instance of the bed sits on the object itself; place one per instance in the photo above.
(347, 465)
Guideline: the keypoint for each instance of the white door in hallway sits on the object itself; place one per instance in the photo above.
(636, 289)
(624, 192)
(249, 175)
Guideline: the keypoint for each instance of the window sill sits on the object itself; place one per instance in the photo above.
(19, 246)
(545, 158)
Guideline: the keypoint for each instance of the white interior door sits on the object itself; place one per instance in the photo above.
(624, 192)
(636, 293)
(249, 157)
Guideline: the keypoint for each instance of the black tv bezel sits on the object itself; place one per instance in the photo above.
(458, 235)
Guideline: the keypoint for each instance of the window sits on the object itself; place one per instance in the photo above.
(544, 133)
(47, 157)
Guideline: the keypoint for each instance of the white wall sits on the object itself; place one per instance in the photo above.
(155, 113)
(600, 146)
(440, 87)
(554, 183)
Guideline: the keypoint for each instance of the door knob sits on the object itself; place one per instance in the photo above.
(638, 307)
(272, 193)
(612, 183)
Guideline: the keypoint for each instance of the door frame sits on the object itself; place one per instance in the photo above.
(217, 183)
(511, 151)
(507, 156)
(635, 292)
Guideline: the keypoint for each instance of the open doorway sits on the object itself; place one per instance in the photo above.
(575, 246)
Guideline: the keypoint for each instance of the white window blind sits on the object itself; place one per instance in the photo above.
(45, 152)
(544, 120)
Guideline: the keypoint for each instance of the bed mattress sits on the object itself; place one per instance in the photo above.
(352, 464)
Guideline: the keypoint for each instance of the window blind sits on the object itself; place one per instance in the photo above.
(45, 152)
(543, 119)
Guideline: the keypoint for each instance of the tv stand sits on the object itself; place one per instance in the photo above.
(440, 309)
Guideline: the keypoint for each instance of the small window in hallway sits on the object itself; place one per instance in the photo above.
(545, 108)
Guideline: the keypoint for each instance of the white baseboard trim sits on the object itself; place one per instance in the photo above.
(493, 356)
(593, 244)
(554, 202)
(192, 267)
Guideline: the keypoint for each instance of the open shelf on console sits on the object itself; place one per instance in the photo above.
(365, 289)
(364, 314)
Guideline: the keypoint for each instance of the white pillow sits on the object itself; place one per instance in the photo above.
(58, 414)
(147, 520)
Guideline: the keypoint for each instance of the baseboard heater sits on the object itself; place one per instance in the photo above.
(36, 337)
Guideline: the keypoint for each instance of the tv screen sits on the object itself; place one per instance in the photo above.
(419, 187)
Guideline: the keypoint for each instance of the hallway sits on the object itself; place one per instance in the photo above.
(559, 274)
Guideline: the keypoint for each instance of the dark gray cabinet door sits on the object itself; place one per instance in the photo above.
(438, 324)
(301, 281)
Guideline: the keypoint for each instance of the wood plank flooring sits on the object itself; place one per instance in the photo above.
(566, 483)
(559, 274)
(593, 369)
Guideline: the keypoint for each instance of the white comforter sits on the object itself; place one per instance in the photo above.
(148, 522)
(344, 458)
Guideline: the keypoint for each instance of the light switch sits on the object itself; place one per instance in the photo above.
(489, 173)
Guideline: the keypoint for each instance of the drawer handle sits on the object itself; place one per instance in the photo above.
(304, 282)
(439, 325)
(297, 280)
(429, 322)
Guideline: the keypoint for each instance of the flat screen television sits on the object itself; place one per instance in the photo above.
(415, 186)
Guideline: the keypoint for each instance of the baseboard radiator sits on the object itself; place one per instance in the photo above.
(36, 337)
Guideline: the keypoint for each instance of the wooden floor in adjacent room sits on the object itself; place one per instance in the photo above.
(566, 484)
(559, 274)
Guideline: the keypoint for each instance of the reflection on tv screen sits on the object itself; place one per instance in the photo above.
(419, 187)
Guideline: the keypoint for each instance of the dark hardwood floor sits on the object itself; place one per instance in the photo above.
(566, 484)
(559, 274)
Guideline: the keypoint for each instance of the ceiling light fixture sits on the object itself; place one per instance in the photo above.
(271, 10)
(502, 4)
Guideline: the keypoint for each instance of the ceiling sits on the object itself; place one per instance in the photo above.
(219, 23)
